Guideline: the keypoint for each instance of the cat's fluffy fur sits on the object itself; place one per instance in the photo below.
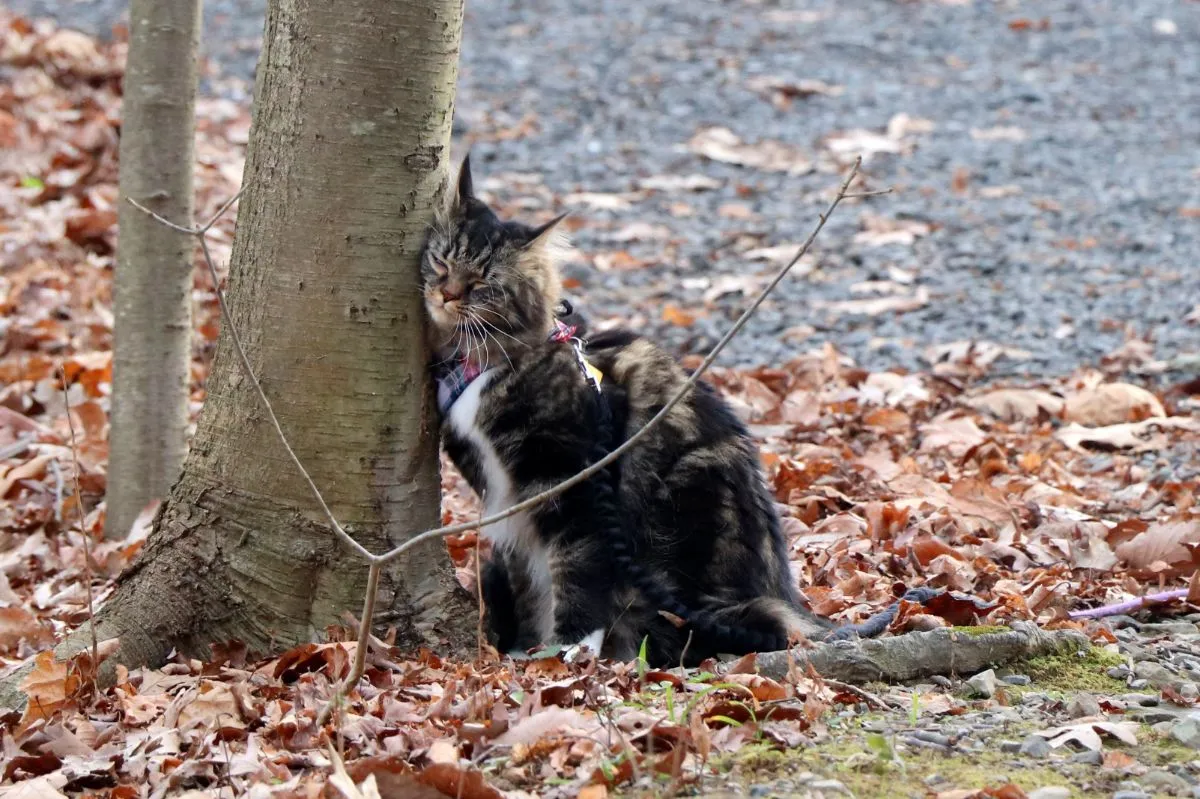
(683, 523)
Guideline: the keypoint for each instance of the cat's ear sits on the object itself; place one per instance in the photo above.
(457, 192)
(466, 187)
(547, 235)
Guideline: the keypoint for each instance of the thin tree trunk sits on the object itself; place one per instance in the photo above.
(153, 288)
(348, 150)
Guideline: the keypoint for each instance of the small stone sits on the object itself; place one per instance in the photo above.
(1012, 747)
(1034, 699)
(1142, 700)
(1050, 792)
(1169, 628)
(1189, 690)
(1118, 672)
(1035, 746)
(1131, 795)
(1154, 674)
(1083, 705)
(1087, 758)
(827, 786)
(1187, 732)
(1166, 782)
(1138, 685)
(1153, 715)
(983, 684)
(933, 780)
(1016, 679)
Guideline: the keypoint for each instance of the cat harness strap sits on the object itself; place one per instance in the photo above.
(565, 332)
(453, 378)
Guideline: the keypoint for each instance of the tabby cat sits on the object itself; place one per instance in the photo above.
(678, 543)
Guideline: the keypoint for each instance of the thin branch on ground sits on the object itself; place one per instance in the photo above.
(861, 693)
(87, 543)
(360, 651)
(480, 639)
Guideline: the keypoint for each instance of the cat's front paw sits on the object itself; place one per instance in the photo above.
(592, 642)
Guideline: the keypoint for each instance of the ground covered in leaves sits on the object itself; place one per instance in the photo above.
(1036, 499)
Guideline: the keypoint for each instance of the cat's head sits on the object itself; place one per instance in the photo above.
(489, 285)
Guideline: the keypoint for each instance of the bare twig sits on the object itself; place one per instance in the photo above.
(479, 636)
(861, 693)
(364, 626)
(862, 194)
(360, 651)
(87, 543)
(683, 655)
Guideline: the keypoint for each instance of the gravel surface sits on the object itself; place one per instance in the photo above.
(1060, 181)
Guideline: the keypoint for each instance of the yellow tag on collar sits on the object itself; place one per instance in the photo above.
(595, 374)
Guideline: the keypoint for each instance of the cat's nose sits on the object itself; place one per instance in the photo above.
(450, 295)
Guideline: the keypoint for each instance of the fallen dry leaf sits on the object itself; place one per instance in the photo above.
(876, 306)
(49, 687)
(1016, 404)
(1163, 542)
(1152, 434)
(998, 134)
(1112, 403)
(722, 144)
(1087, 734)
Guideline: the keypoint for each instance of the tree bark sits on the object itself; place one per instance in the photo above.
(348, 151)
(153, 286)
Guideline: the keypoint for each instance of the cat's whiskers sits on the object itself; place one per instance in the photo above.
(484, 325)
(496, 327)
(483, 348)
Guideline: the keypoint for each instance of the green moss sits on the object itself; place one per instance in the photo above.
(1073, 672)
(981, 630)
(871, 772)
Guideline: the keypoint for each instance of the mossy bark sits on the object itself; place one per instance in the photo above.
(922, 654)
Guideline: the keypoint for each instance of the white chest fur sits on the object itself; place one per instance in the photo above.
(500, 493)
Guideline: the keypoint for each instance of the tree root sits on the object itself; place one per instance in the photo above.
(915, 655)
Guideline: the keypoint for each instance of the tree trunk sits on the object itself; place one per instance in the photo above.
(348, 150)
(153, 289)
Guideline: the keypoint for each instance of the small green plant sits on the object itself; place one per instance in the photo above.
(884, 751)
